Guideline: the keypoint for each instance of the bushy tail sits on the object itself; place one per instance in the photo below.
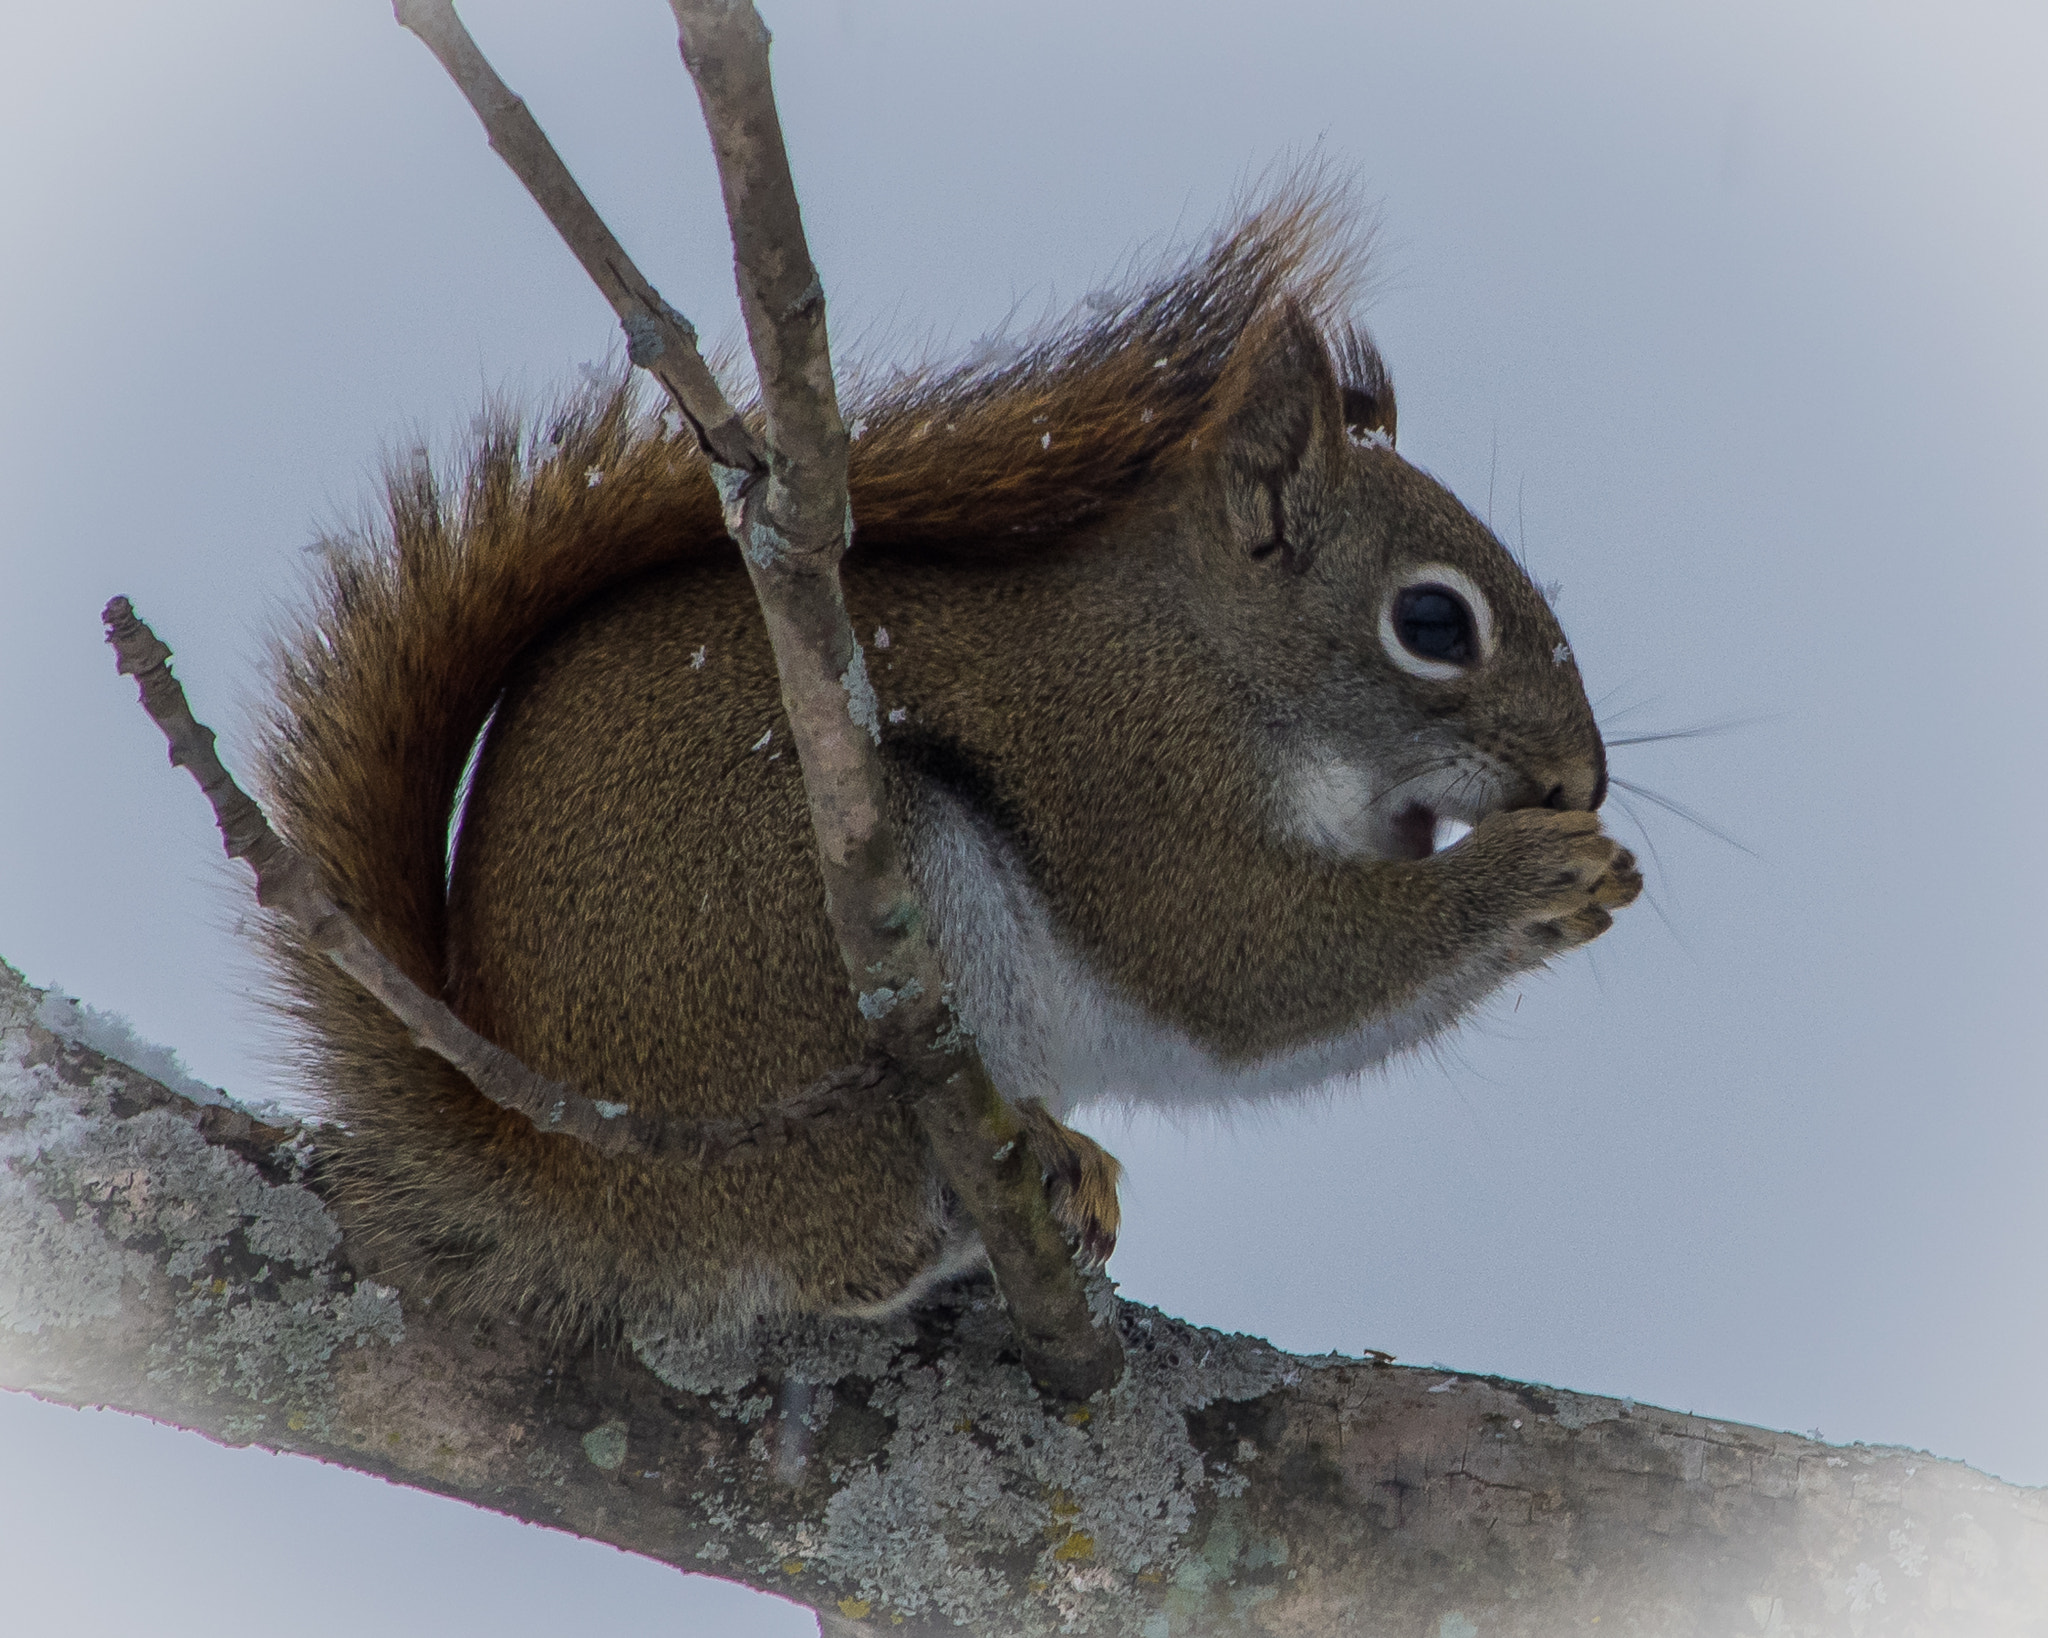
(381, 692)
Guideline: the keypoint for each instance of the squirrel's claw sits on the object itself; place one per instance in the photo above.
(1080, 1178)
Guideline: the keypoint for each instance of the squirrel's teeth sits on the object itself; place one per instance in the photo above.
(1449, 833)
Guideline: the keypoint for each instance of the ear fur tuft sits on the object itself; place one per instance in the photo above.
(1276, 437)
(1026, 442)
(1369, 412)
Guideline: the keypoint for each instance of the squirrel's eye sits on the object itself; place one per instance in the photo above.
(1436, 624)
(1433, 623)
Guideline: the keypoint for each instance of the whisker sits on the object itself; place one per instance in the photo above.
(1649, 842)
(1600, 704)
(1670, 926)
(1702, 730)
(1492, 471)
(1415, 771)
(1683, 812)
(1650, 846)
(1401, 783)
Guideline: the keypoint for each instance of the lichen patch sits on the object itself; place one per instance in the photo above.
(971, 1471)
(107, 1187)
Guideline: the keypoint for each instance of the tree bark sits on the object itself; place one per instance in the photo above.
(183, 1261)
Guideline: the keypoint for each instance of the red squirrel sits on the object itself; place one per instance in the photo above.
(1183, 669)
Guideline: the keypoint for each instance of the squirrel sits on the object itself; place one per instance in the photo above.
(1183, 669)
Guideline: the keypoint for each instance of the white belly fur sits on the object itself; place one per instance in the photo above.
(1050, 1027)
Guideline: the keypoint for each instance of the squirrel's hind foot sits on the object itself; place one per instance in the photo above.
(1081, 1179)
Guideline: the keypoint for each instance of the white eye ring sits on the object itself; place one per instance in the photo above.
(1437, 574)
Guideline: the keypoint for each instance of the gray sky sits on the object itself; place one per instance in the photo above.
(1729, 314)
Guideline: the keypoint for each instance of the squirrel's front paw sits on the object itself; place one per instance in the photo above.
(1569, 876)
(1080, 1177)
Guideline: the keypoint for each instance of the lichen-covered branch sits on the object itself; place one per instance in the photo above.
(786, 507)
(184, 1261)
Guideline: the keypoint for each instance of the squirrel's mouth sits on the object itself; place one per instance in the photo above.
(1346, 807)
(1419, 830)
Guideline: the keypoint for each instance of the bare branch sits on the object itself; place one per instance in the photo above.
(792, 531)
(287, 882)
(658, 338)
(184, 1263)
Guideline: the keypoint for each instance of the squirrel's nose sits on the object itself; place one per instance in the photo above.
(1582, 787)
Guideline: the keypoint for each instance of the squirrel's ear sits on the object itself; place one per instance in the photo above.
(1278, 424)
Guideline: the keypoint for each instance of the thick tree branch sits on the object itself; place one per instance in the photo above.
(792, 525)
(183, 1262)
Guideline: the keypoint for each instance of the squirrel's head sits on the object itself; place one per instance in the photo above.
(1401, 667)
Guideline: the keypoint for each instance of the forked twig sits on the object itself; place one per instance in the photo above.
(789, 516)
(658, 338)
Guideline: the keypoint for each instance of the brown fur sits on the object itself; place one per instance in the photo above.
(1111, 572)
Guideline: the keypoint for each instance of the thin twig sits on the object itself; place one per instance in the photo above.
(791, 529)
(287, 882)
(658, 338)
